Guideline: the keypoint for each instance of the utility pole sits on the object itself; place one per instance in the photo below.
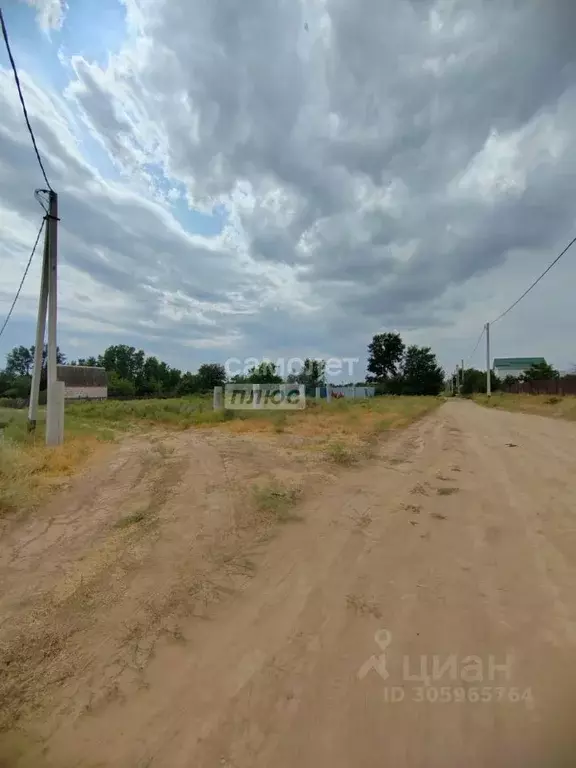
(488, 371)
(48, 304)
(55, 396)
(40, 330)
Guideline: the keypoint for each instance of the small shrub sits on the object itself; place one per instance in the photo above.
(13, 402)
(273, 501)
(553, 400)
(133, 519)
(446, 491)
(341, 454)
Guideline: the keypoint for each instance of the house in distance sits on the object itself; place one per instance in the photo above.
(83, 382)
(515, 366)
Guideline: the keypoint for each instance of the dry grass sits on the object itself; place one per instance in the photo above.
(344, 431)
(543, 405)
(29, 472)
(339, 421)
(339, 453)
(446, 491)
(362, 520)
(362, 606)
(272, 503)
(34, 647)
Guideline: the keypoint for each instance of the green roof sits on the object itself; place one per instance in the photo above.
(517, 363)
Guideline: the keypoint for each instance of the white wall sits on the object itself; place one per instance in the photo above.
(354, 391)
(507, 372)
(86, 393)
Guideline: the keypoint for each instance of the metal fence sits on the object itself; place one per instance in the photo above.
(562, 386)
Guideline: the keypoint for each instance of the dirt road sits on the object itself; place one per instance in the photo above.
(422, 613)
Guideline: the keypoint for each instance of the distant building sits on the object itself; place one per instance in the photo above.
(514, 366)
(83, 382)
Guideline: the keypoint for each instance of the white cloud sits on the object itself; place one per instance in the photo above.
(49, 13)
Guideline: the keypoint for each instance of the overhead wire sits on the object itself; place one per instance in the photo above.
(527, 291)
(39, 199)
(9, 315)
(21, 96)
(471, 355)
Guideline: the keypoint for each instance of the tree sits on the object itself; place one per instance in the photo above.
(421, 374)
(118, 387)
(6, 382)
(475, 381)
(265, 373)
(189, 384)
(19, 386)
(540, 372)
(211, 375)
(90, 361)
(385, 353)
(313, 374)
(123, 360)
(19, 361)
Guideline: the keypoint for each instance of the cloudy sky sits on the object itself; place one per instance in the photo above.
(287, 177)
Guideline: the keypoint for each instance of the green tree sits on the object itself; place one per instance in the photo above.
(123, 360)
(19, 387)
(475, 381)
(211, 375)
(265, 373)
(385, 353)
(540, 372)
(313, 374)
(90, 361)
(421, 374)
(119, 387)
(20, 361)
(6, 382)
(189, 384)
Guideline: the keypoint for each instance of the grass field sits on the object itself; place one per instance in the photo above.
(543, 405)
(344, 430)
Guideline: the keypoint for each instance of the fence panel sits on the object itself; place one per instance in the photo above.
(563, 386)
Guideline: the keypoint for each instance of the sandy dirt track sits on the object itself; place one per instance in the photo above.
(457, 541)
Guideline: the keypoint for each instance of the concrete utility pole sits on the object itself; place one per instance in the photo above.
(48, 303)
(40, 330)
(488, 370)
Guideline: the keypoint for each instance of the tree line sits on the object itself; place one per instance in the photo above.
(392, 366)
(131, 373)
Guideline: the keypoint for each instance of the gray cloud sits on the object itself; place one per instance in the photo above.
(387, 154)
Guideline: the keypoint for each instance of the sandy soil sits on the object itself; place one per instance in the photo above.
(417, 611)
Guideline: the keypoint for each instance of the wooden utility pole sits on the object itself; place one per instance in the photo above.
(488, 367)
(48, 304)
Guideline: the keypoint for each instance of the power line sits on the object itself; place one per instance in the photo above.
(477, 344)
(37, 193)
(23, 278)
(13, 63)
(527, 291)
